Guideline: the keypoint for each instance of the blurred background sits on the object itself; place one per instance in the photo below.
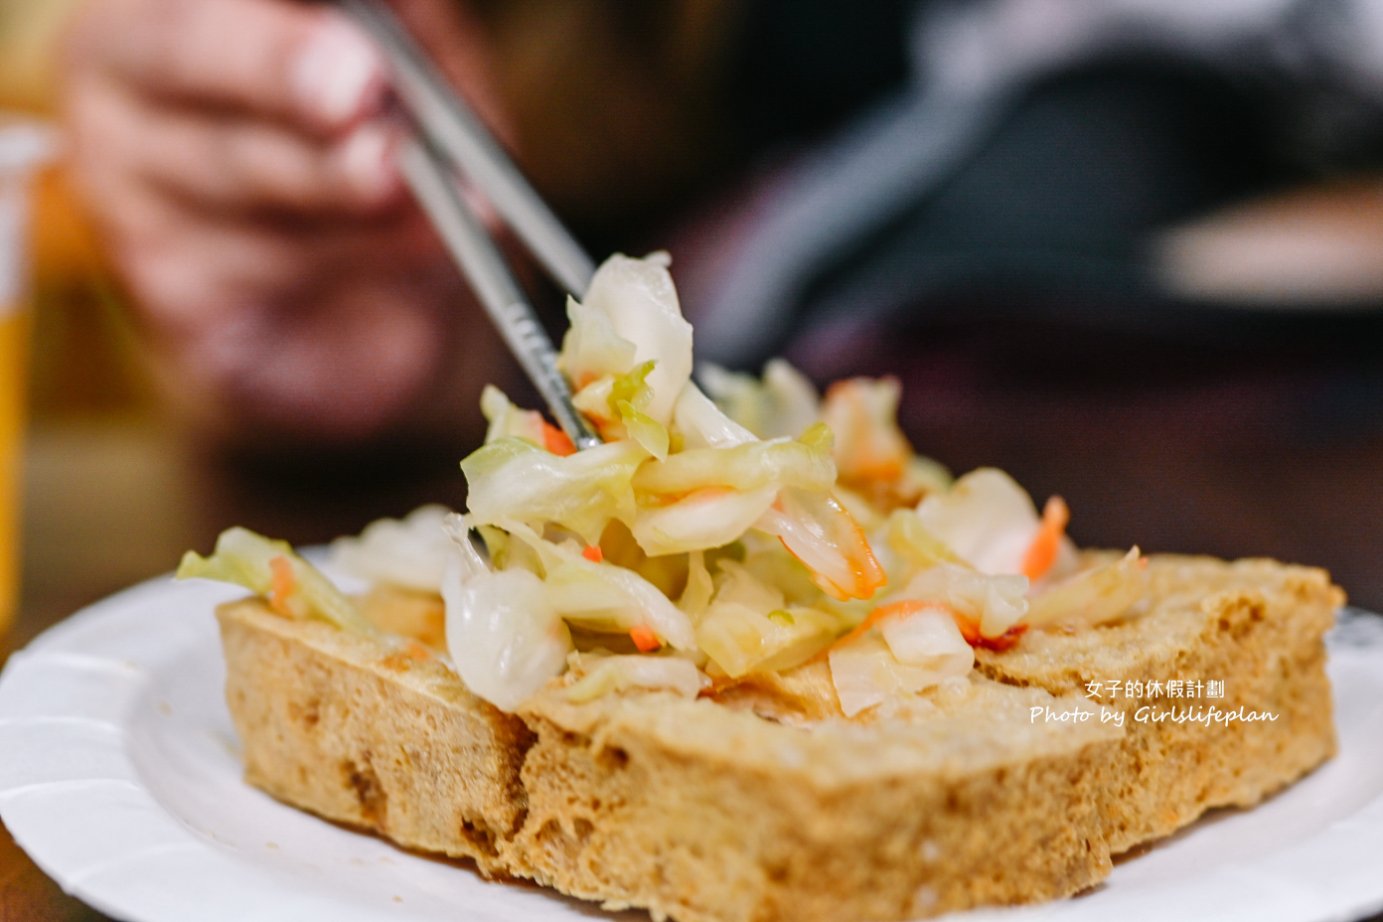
(84, 372)
(1151, 284)
(1231, 408)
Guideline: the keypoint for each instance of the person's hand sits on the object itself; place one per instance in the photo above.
(237, 163)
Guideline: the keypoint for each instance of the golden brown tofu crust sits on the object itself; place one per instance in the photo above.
(711, 813)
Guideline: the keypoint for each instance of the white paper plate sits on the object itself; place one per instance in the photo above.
(120, 776)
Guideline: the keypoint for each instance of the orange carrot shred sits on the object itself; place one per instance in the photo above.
(593, 553)
(865, 568)
(1003, 642)
(878, 461)
(969, 627)
(644, 639)
(557, 441)
(891, 610)
(418, 652)
(1041, 553)
(875, 457)
(970, 630)
(282, 583)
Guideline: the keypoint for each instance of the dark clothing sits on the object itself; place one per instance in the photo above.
(1032, 184)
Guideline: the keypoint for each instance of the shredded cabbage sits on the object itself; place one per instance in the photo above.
(1092, 596)
(602, 596)
(759, 512)
(912, 545)
(819, 531)
(272, 569)
(616, 403)
(582, 492)
(987, 519)
(995, 602)
(507, 421)
(751, 625)
(411, 552)
(705, 518)
(631, 301)
(698, 589)
(805, 463)
(784, 403)
(504, 636)
(928, 638)
(702, 424)
(592, 348)
(682, 480)
(746, 534)
(873, 454)
(865, 674)
(614, 674)
(740, 638)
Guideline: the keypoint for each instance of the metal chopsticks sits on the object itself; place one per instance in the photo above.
(451, 139)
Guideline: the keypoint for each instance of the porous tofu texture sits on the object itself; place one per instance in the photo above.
(703, 810)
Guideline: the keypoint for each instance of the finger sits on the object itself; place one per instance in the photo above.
(336, 335)
(237, 164)
(191, 273)
(303, 64)
(243, 166)
(343, 365)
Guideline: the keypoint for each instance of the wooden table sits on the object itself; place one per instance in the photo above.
(114, 502)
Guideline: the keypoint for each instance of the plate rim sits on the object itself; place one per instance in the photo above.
(125, 603)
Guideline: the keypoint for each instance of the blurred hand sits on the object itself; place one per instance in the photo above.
(235, 156)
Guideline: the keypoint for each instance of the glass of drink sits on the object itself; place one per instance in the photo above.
(23, 148)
